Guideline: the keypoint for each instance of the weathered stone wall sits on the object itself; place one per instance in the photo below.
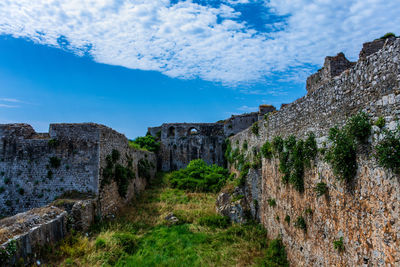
(110, 200)
(31, 231)
(28, 179)
(179, 145)
(367, 217)
(183, 142)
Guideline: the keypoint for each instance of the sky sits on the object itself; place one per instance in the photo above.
(131, 64)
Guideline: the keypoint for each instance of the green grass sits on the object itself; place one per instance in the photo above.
(142, 237)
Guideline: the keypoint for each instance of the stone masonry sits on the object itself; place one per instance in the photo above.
(183, 142)
(366, 217)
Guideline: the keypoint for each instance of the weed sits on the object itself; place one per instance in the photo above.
(255, 128)
(287, 219)
(338, 244)
(359, 126)
(271, 202)
(54, 162)
(275, 255)
(321, 189)
(388, 151)
(245, 145)
(300, 223)
(380, 122)
(266, 150)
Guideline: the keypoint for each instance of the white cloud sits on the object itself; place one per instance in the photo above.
(12, 100)
(7, 106)
(187, 40)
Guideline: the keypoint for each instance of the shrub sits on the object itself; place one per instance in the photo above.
(388, 35)
(255, 128)
(215, 221)
(338, 244)
(49, 174)
(198, 176)
(144, 167)
(127, 241)
(55, 162)
(115, 155)
(321, 189)
(300, 223)
(243, 174)
(287, 219)
(21, 191)
(122, 177)
(271, 202)
(275, 255)
(388, 151)
(2, 189)
(53, 143)
(256, 164)
(8, 251)
(147, 142)
(7, 180)
(228, 151)
(380, 122)
(266, 150)
(342, 154)
(359, 126)
(245, 145)
(100, 243)
(310, 148)
(308, 211)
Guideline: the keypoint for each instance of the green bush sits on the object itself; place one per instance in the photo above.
(8, 251)
(321, 189)
(271, 202)
(388, 35)
(277, 145)
(127, 241)
(228, 151)
(338, 244)
(147, 142)
(245, 145)
(243, 174)
(215, 221)
(388, 151)
(380, 122)
(100, 243)
(275, 254)
(310, 148)
(55, 162)
(2, 189)
(300, 223)
(255, 128)
(342, 154)
(144, 169)
(287, 219)
(7, 181)
(359, 126)
(122, 177)
(266, 150)
(198, 176)
(115, 155)
(53, 143)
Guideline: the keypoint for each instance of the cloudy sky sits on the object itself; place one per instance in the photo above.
(131, 64)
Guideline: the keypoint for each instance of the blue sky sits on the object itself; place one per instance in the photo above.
(134, 64)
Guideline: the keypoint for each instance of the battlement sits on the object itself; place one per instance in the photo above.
(333, 66)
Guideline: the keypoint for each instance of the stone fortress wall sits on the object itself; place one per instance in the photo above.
(367, 217)
(183, 142)
(37, 168)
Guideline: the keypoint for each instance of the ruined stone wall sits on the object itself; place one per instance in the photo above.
(179, 145)
(37, 168)
(110, 200)
(29, 180)
(183, 142)
(367, 217)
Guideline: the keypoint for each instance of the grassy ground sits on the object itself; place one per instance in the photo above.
(142, 236)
